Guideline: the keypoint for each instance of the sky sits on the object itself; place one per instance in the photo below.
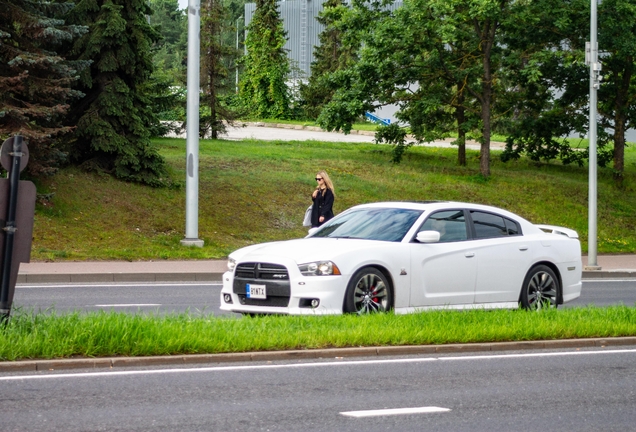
(183, 4)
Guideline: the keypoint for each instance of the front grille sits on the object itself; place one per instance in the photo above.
(261, 271)
(274, 276)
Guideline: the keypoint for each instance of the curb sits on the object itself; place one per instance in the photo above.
(114, 362)
(608, 274)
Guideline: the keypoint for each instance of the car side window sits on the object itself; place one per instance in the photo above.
(512, 227)
(488, 225)
(450, 224)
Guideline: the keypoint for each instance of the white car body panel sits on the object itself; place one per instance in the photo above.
(474, 273)
(442, 274)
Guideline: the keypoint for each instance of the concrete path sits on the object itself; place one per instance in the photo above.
(286, 132)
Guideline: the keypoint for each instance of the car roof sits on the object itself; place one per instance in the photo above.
(429, 206)
(423, 205)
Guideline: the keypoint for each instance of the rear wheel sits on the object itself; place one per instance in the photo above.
(368, 291)
(540, 289)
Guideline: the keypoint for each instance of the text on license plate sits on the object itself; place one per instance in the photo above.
(255, 291)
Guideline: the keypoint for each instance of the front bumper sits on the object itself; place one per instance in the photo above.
(328, 290)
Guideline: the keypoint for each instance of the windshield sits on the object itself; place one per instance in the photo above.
(388, 224)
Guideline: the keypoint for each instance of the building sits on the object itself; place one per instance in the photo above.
(299, 21)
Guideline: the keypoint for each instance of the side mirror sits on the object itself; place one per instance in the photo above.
(427, 236)
(312, 230)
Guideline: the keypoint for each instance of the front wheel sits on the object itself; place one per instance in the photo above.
(368, 291)
(540, 289)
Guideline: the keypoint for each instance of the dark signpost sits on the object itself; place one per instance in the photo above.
(17, 208)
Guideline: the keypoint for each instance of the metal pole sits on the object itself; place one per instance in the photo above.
(192, 130)
(595, 68)
(10, 229)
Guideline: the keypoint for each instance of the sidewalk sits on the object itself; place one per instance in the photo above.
(612, 266)
(122, 271)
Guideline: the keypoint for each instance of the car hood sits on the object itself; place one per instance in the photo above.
(302, 250)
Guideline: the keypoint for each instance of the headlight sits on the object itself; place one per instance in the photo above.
(319, 268)
(231, 263)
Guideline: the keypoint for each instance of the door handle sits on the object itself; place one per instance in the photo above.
(523, 248)
(469, 254)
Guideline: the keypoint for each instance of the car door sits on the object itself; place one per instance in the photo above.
(443, 273)
(503, 257)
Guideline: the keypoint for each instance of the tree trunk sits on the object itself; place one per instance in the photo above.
(620, 120)
(460, 116)
(488, 37)
(619, 146)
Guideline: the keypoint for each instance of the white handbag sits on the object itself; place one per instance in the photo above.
(307, 219)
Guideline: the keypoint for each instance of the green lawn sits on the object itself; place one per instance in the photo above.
(104, 334)
(255, 191)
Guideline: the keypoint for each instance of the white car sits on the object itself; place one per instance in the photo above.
(408, 257)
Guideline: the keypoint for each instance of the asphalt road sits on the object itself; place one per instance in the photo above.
(195, 297)
(583, 390)
(203, 298)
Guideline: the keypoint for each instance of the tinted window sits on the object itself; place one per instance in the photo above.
(488, 225)
(451, 225)
(512, 227)
(371, 224)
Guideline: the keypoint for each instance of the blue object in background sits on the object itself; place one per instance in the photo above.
(375, 119)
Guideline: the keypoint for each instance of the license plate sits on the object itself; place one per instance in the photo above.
(255, 291)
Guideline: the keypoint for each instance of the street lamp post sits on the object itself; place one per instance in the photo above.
(192, 129)
(595, 78)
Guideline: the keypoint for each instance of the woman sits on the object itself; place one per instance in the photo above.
(323, 196)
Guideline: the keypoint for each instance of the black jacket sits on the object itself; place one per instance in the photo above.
(323, 206)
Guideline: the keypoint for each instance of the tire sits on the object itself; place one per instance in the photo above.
(540, 289)
(368, 291)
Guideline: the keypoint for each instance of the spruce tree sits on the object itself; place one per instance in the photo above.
(215, 80)
(35, 82)
(263, 87)
(115, 117)
(171, 51)
(329, 56)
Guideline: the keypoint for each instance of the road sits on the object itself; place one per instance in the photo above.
(204, 297)
(583, 390)
(195, 297)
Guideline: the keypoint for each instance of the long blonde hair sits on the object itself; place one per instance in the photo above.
(327, 180)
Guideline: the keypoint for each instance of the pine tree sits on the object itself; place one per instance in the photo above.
(329, 56)
(170, 53)
(263, 88)
(115, 117)
(214, 73)
(35, 82)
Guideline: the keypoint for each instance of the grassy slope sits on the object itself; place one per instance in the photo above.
(255, 191)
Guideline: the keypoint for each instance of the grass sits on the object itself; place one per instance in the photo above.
(100, 334)
(254, 191)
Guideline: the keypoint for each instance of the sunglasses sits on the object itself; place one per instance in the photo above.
(318, 179)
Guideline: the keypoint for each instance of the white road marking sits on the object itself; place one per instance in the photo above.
(394, 411)
(307, 365)
(129, 305)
